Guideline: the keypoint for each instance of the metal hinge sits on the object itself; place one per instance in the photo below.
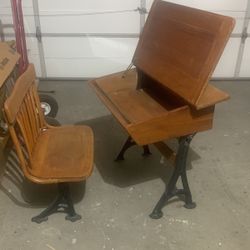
(244, 35)
(38, 34)
(142, 11)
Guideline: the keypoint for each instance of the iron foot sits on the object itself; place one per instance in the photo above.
(191, 205)
(156, 215)
(39, 219)
(120, 157)
(73, 218)
(62, 203)
(146, 151)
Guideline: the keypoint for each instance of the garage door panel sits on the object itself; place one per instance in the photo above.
(245, 66)
(85, 67)
(89, 47)
(227, 63)
(105, 23)
(88, 5)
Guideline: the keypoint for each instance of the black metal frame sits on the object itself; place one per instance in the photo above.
(62, 203)
(129, 143)
(179, 171)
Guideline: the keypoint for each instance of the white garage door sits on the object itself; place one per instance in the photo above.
(90, 38)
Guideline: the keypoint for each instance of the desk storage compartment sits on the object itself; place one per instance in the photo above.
(149, 114)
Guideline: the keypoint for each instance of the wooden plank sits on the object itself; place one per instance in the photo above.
(181, 46)
(118, 81)
(136, 105)
(14, 102)
(211, 96)
(22, 123)
(166, 151)
(108, 103)
(176, 123)
(3, 141)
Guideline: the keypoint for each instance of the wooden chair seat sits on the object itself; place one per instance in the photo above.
(63, 154)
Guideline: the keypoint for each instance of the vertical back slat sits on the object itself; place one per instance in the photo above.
(27, 125)
(20, 121)
(35, 114)
(31, 118)
(24, 116)
(38, 107)
(18, 147)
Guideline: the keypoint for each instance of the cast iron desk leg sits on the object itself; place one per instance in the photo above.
(129, 143)
(179, 171)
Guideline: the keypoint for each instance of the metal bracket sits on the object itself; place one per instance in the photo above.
(38, 34)
(244, 35)
(127, 70)
(142, 11)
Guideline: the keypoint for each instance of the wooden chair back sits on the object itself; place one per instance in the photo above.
(24, 116)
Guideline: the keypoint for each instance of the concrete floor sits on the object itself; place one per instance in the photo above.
(118, 197)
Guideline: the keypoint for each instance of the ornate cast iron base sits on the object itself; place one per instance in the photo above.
(62, 203)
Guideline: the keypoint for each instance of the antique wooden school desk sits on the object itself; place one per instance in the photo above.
(167, 94)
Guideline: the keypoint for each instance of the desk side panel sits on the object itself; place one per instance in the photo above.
(179, 122)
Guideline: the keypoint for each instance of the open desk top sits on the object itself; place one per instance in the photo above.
(167, 94)
(180, 48)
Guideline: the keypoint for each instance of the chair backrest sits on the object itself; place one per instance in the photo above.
(24, 116)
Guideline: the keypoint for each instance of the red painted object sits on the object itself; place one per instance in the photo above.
(20, 34)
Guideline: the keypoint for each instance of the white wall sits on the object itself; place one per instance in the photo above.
(95, 56)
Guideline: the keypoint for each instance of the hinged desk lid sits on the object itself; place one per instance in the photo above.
(180, 47)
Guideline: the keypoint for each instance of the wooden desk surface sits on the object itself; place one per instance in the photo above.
(145, 119)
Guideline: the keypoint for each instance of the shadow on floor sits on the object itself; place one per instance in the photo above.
(109, 138)
(31, 194)
(135, 169)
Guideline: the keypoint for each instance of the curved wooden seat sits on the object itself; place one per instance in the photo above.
(63, 154)
(47, 154)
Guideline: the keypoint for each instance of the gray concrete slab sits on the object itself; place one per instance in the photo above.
(118, 197)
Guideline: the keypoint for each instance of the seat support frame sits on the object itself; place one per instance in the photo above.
(62, 203)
